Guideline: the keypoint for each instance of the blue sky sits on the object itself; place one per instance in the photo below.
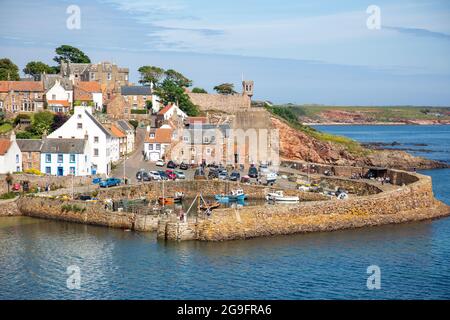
(317, 51)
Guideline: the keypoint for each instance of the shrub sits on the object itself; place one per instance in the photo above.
(73, 208)
(34, 171)
(8, 195)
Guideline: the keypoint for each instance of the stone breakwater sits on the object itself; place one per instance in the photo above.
(412, 200)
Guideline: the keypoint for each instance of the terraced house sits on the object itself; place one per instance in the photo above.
(31, 153)
(58, 94)
(88, 93)
(21, 96)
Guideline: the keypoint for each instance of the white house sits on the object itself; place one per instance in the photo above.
(89, 93)
(58, 98)
(126, 127)
(103, 145)
(157, 141)
(62, 157)
(169, 111)
(10, 155)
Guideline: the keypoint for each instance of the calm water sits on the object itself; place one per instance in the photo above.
(414, 258)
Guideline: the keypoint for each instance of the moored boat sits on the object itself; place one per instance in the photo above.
(279, 196)
(235, 195)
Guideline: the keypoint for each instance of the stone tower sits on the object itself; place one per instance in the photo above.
(247, 88)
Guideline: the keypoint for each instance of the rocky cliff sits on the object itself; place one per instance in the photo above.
(298, 145)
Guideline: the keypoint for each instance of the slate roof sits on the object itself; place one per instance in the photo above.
(29, 145)
(70, 146)
(124, 125)
(135, 91)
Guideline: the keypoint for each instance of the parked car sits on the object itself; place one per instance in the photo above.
(160, 163)
(253, 172)
(213, 174)
(171, 164)
(163, 175)
(184, 166)
(154, 175)
(223, 175)
(110, 182)
(235, 176)
(96, 180)
(142, 175)
(171, 175)
(180, 175)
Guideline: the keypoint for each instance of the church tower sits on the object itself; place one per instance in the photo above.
(247, 88)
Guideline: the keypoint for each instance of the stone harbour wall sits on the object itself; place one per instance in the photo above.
(9, 208)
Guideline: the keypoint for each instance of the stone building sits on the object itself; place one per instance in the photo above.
(137, 97)
(224, 103)
(21, 96)
(110, 76)
(118, 108)
(31, 153)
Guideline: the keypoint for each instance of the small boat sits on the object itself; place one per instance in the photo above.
(209, 206)
(279, 196)
(171, 200)
(235, 195)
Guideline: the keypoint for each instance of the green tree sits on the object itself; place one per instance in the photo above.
(36, 68)
(199, 90)
(170, 92)
(225, 88)
(178, 78)
(9, 180)
(70, 54)
(42, 122)
(150, 74)
(8, 70)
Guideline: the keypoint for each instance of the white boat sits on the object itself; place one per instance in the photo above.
(279, 196)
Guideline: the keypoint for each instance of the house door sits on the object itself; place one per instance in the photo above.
(60, 171)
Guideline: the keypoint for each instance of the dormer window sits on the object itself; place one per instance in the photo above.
(152, 135)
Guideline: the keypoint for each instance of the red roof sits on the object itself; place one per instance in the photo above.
(63, 103)
(162, 135)
(35, 86)
(89, 86)
(165, 109)
(4, 146)
(117, 132)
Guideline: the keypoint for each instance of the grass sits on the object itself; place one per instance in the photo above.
(5, 127)
(8, 195)
(378, 114)
(291, 115)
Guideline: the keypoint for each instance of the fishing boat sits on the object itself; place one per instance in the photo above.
(235, 195)
(279, 196)
(171, 200)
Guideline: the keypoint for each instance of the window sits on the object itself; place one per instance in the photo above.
(60, 158)
(79, 125)
(185, 138)
(208, 150)
(134, 98)
(126, 77)
(95, 139)
(205, 139)
(1, 105)
(72, 170)
(53, 96)
(152, 135)
(72, 158)
(48, 158)
(29, 165)
(158, 146)
(36, 95)
(68, 97)
(95, 152)
(17, 169)
(79, 116)
(48, 170)
(92, 76)
(150, 147)
(30, 154)
(109, 75)
(17, 158)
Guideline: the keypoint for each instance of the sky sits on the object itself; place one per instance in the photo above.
(315, 51)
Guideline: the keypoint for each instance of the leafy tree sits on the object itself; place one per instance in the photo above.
(170, 92)
(150, 74)
(134, 123)
(25, 135)
(149, 104)
(58, 120)
(9, 180)
(42, 122)
(199, 90)
(225, 88)
(8, 70)
(70, 54)
(35, 68)
(178, 78)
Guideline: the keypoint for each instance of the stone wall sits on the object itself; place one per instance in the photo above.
(87, 213)
(394, 206)
(9, 208)
(219, 102)
(153, 190)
